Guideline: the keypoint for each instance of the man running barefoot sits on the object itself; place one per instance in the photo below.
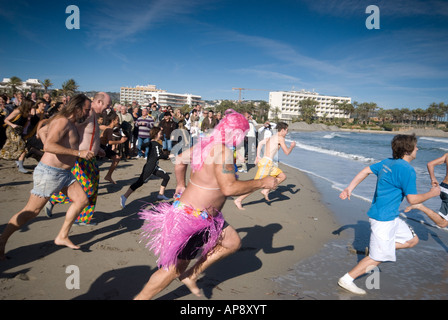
(52, 173)
(266, 165)
(177, 232)
(440, 217)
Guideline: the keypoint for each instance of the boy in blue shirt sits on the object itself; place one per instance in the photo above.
(396, 179)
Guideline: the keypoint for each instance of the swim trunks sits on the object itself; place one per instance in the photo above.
(443, 211)
(267, 167)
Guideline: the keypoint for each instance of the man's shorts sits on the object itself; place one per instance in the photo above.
(49, 180)
(384, 236)
(443, 212)
(267, 167)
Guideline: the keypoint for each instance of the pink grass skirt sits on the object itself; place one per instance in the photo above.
(168, 228)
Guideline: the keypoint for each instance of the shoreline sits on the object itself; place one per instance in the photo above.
(304, 127)
(293, 226)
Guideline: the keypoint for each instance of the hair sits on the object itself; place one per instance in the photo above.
(403, 144)
(153, 132)
(39, 100)
(77, 102)
(110, 117)
(25, 107)
(230, 131)
(281, 125)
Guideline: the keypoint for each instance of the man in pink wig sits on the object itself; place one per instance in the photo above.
(177, 232)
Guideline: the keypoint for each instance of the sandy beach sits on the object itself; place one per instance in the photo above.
(113, 264)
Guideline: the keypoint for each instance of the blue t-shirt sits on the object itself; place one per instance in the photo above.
(396, 179)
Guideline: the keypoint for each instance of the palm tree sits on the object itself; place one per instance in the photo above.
(46, 84)
(308, 109)
(275, 112)
(69, 87)
(13, 83)
(263, 109)
(346, 107)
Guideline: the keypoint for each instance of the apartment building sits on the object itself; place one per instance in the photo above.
(286, 105)
(144, 94)
(176, 100)
(141, 94)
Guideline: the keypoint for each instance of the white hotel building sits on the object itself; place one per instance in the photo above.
(26, 86)
(288, 104)
(144, 94)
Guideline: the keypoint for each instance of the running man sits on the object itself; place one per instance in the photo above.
(440, 217)
(52, 173)
(396, 180)
(86, 171)
(266, 165)
(176, 232)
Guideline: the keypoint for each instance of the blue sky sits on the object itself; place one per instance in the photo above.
(208, 47)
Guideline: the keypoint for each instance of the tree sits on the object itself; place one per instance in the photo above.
(365, 109)
(308, 109)
(224, 105)
(46, 84)
(13, 83)
(346, 107)
(275, 112)
(263, 110)
(69, 87)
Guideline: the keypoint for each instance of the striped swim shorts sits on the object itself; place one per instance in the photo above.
(267, 167)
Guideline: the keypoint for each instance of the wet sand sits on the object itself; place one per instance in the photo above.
(113, 264)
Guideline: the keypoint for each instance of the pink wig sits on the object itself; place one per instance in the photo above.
(230, 131)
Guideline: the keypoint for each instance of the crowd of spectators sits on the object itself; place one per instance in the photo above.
(22, 116)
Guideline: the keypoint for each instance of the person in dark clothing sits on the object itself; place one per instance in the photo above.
(168, 126)
(151, 167)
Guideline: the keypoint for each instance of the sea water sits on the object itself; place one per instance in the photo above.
(331, 160)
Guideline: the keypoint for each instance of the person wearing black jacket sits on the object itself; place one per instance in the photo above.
(151, 167)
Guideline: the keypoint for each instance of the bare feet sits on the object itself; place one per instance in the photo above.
(66, 242)
(110, 180)
(265, 193)
(191, 284)
(238, 204)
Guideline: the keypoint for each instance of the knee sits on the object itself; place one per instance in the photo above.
(413, 242)
(83, 201)
(281, 177)
(443, 224)
(235, 244)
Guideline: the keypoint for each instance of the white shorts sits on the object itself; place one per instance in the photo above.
(384, 236)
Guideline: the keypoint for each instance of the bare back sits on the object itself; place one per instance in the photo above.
(272, 145)
(61, 133)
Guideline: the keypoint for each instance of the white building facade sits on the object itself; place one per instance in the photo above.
(26, 86)
(286, 105)
(138, 93)
(145, 94)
